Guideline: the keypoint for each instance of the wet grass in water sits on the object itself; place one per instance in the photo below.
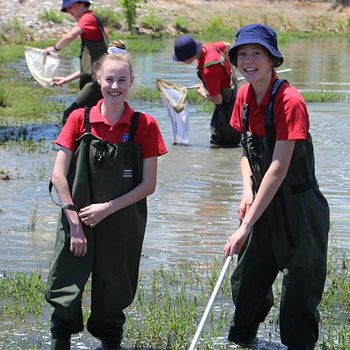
(168, 306)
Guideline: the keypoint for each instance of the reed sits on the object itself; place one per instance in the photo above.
(168, 306)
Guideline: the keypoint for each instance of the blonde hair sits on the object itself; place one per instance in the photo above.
(117, 57)
(120, 44)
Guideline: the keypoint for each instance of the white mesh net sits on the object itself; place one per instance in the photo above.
(174, 99)
(41, 66)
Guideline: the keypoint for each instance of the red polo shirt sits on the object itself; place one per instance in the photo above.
(88, 24)
(215, 77)
(147, 136)
(291, 115)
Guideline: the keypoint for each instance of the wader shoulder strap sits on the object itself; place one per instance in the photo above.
(100, 26)
(87, 120)
(245, 118)
(134, 125)
(211, 63)
(269, 116)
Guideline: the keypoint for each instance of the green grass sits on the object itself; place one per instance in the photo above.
(324, 96)
(169, 304)
(26, 102)
(22, 101)
(52, 16)
(153, 22)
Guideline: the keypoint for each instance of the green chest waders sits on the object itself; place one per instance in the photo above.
(99, 172)
(221, 131)
(291, 236)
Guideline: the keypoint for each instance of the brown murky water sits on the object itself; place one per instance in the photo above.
(194, 207)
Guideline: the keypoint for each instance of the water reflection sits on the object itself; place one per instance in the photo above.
(194, 207)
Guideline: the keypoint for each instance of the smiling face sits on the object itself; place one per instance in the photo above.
(115, 78)
(254, 63)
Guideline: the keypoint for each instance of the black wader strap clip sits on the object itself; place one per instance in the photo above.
(245, 118)
(62, 205)
(87, 120)
(134, 125)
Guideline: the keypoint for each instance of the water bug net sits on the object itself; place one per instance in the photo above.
(174, 98)
(41, 65)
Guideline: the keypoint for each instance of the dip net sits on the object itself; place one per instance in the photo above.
(174, 99)
(41, 65)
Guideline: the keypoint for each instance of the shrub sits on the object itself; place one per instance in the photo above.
(51, 16)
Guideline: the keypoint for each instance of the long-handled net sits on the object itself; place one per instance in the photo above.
(41, 65)
(174, 99)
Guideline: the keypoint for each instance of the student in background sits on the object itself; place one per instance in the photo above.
(219, 84)
(284, 216)
(94, 44)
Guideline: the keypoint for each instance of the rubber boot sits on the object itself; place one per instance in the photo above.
(57, 344)
(109, 345)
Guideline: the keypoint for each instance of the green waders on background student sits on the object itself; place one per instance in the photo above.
(291, 237)
(90, 91)
(99, 172)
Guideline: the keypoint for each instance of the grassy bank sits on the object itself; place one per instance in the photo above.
(23, 101)
(167, 309)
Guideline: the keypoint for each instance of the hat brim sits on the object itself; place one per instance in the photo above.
(71, 2)
(275, 53)
(199, 46)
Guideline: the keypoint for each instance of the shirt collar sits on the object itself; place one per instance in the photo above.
(97, 117)
(265, 101)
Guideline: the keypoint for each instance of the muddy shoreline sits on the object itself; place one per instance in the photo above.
(283, 15)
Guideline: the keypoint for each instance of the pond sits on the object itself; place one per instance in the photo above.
(194, 207)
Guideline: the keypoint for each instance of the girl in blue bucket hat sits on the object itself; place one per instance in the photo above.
(284, 216)
(94, 44)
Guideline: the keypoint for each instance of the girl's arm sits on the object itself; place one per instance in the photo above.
(78, 243)
(248, 196)
(270, 183)
(65, 40)
(94, 213)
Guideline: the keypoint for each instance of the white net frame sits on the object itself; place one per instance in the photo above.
(41, 65)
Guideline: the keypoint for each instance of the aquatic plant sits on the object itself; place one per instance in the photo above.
(324, 96)
(169, 304)
(21, 295)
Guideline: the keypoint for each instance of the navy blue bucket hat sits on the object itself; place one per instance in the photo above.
(257, 34)
(186, 47)
(67, 3)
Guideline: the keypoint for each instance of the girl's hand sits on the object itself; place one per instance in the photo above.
(78, 242)
(94, 213)
(246, 203)
(236, 241)
(58, 81)
(202, 92)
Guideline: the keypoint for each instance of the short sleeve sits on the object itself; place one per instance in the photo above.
(292, 117)
(72, 130)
